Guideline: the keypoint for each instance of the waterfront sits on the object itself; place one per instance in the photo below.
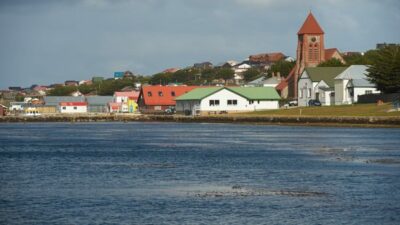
(176, 173)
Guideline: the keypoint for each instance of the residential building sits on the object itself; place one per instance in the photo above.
(126, 101)
(266, 82)
(153, 99)
(227, 99)
(56, 100)
(98, 104)
(351, 83)
(71, 83)
(318, 83)
(203, 65)
(73, 107)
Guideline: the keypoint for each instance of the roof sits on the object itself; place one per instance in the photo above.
(166, 92)
(329, 53)
(357, 74)
(267, 57)
(129, 94)
(199, 93)
(99, 100)
(73, 104)
(263, 80)
(250, 93)
(310, 26)
(353, 72)
(326, 74)
(362, 83)
(55, 100)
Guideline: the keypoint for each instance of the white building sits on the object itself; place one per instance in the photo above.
(227, 99)
(351, 83)
(318, 83)
(73, 107)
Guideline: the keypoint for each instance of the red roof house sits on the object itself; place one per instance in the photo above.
(158, 98)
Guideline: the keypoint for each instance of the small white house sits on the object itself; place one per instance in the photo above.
(317, 83)
(351, 83)
(73, 107)
(227, 99)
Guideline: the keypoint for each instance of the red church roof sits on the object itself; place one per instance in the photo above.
(329, 53)
(163, 95)
(310, 26)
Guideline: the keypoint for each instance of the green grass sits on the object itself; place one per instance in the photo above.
(343, 110)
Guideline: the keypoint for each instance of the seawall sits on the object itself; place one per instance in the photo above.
(283, 120)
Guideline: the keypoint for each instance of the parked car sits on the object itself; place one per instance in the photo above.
(170, 110)
(314, 102)
(293, 103)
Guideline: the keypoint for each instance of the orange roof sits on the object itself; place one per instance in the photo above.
(130, 94)
(163, 95)
(329, 53)
(267, 57)
(310, 26)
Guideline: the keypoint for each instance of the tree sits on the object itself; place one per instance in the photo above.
(331, 63)
(62, 91)
(283, 67)
(385, 69)
(225, 73)
(251, 74)
(86, 88)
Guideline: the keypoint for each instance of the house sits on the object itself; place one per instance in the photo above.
(171, 70)
(203, 65)
(85, 82)
(126, 101)
(318, 83)
(71, 83)
(227, 100)
(97, 79)
(351, 83)
(3, 110)
(118, 75)
(98, 104)
(55, 100)
(153, 99)
(76, 93)
(267, 58)
(73, 107)
(266, 82)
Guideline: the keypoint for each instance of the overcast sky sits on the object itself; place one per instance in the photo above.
(49, 41)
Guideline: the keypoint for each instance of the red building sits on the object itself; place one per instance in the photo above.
(2, 110)
(153, 99)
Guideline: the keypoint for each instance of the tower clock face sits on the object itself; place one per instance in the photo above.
(313, 39)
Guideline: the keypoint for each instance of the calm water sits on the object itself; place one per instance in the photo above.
(168, 173)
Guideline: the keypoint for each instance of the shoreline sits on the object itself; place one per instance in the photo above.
(369, 122)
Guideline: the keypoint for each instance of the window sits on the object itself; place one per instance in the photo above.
(301, 93)
(75, 108)
(368, 92)
(251, 102)
(149, 93)
(214, 102)
(232, 102)
(258, 102)
(160, 93)
(64, 107)
(309, 93)
(172, 93)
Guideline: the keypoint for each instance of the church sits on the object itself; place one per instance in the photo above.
(310, 52)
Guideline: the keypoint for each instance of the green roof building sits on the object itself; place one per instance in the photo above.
(210, 100)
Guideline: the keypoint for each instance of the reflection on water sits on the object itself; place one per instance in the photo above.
(168, 173)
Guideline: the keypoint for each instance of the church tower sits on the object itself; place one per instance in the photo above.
(310, 49)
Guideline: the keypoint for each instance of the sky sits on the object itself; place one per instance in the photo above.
(48, 41)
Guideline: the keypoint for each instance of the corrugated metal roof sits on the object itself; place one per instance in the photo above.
(99, 100)
(353, 72)
(362, 83)
(55, 100)
(198, 93)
